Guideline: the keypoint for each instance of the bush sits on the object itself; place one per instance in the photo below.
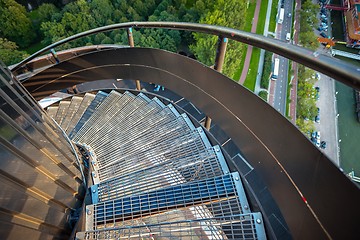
(263, 95)
(265, 78)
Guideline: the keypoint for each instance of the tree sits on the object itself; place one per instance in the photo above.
(101, 11)
(76, 18)
(15, 23)
(9, 53)
(223, 13)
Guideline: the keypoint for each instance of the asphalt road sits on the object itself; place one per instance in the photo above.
(281, 82)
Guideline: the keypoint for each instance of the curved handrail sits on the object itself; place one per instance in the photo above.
(339, 70)
(281, 155)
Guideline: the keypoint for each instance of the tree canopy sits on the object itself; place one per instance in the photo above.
(15, 23)
(223, 13)
(9, 52)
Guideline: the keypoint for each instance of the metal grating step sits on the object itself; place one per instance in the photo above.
(73, 107)
(173, 171)
(51, 111)
(242, 226)
(88, 98)
(60, 114)
(100, 113)
(163, 116)
(123, 108)
(186, 146)
(132, 120)
(213, 197)
(100, 96)
(162, 136)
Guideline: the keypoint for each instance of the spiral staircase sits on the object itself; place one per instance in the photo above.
(154, 175)
(204, 159)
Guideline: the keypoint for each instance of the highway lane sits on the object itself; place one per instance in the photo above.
(282, 83)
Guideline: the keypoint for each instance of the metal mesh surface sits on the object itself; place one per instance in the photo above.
(172, 171)
(242, 226)
(218, 195)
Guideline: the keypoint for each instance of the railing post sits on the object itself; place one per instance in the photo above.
(220, 53)
(131, 44)
(130, 37)
(219, 62)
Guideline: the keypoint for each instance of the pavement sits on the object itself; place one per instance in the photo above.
(282, 80)
(245, 69)
(262, 51)
(293, 83)
(328, 125)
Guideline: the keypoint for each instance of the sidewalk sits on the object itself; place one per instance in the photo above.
(293, 89)
(249, 49)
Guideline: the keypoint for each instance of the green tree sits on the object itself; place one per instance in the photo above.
(223, 13)
(101, 11)
(76, 18)
(9, 53)
(15, 23)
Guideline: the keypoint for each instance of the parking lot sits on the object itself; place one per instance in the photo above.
(328, 119)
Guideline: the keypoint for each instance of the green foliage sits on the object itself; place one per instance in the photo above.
(306, 104)
(266, 74)
(223, 13)
(308, 20)
(15, 23)
(9, 53)
(263, 95)
(76, 17)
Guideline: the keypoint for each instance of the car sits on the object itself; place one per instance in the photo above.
(318, 142)
(324, 21)
(318, 76)
(289, 15)
(317, 89)
(318, 135)
(323, 24)
(323, 35)
(320, 29)
(313, 135)
(288, 37)
(318, 110)
(323, 144)
(317, 118)
(323, 17)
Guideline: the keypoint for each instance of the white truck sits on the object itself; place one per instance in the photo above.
(281, 15)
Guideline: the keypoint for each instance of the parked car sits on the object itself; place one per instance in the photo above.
(287, 36)
(313, 135)
(318, 110)
(323, 144)
(323, 35)
(317, 88)
(323, 24)
(317, 118)
(318, 142)
(318, 135)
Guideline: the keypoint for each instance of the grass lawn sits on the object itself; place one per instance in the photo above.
(253, 68)
(247, 28)
(250, 80)
(272, 23)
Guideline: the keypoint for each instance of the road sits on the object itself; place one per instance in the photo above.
(282, 81)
